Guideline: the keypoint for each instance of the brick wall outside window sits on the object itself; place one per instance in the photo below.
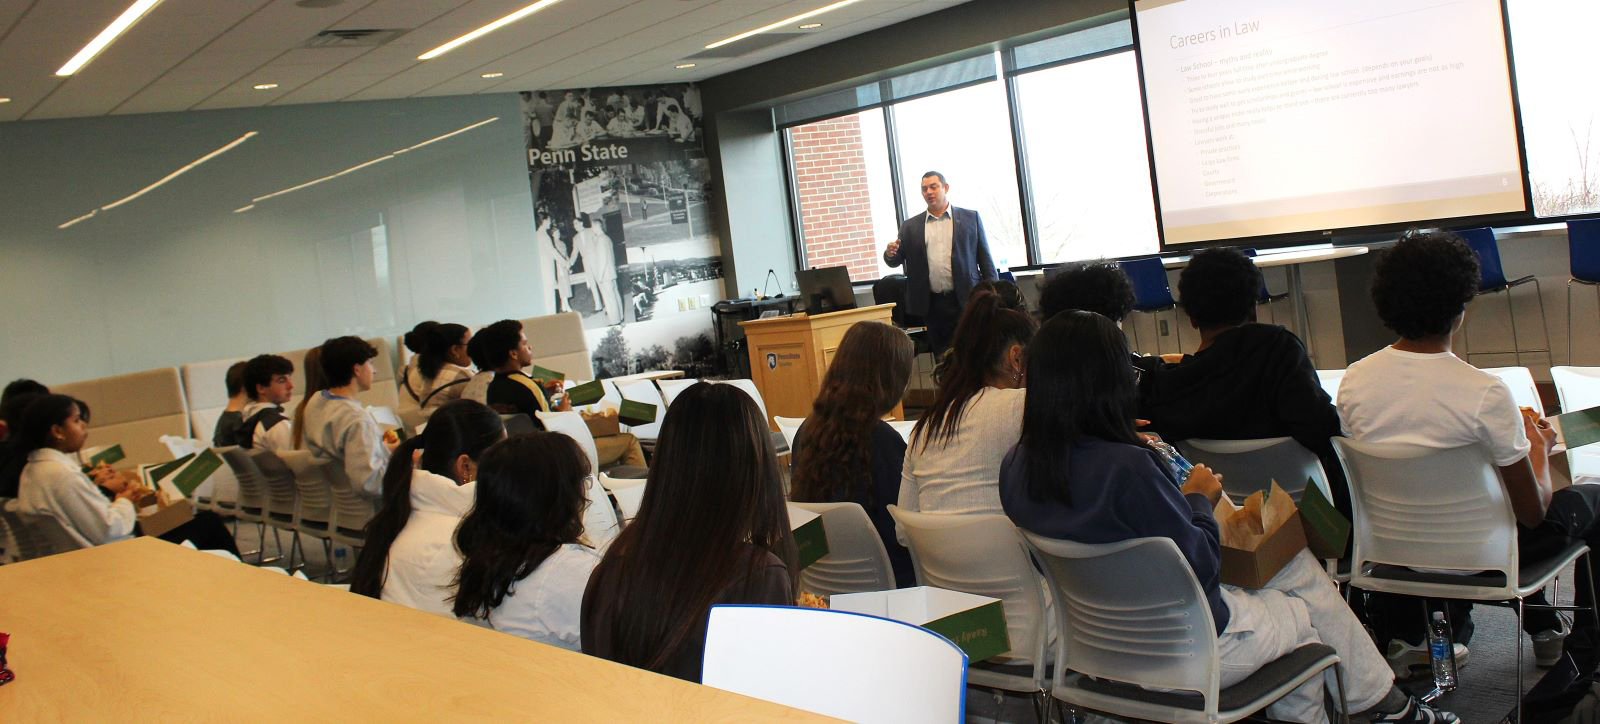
(831, 187)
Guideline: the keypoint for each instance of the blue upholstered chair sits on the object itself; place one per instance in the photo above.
(1151, 295)
(1583, 249)
(1493, 280)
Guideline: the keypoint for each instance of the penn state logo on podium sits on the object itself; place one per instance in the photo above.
(772, 361)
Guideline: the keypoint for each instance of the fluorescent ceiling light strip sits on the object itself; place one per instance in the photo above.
(491, 27)
(437, 139)
(231, 145)
(243, 209)
(80, 219)
(105, 38)
(781, 23)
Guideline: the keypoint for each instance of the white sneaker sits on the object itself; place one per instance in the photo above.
(1413, 662)
(1547, 644)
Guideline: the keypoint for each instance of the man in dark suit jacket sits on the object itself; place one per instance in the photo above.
(946, 255)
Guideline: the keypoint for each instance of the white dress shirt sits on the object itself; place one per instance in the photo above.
(423, 559)
(939, 233)
(545, 606)
(53, 484)
(339, 429)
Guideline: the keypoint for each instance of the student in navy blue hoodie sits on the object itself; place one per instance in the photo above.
(1082, 473)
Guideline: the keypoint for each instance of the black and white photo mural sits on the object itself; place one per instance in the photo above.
(622, 221)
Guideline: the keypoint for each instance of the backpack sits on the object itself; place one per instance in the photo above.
(265, 419)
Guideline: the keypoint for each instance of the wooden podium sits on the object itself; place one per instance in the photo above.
(789, 355)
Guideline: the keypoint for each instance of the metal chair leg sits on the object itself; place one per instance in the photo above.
(1511, 314)
(1344, 700)
(1544, 325)
(1572, 346)
(1594, 605)
(1517, 633)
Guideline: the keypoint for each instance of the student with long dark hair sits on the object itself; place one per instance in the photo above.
(976, 416)
(439, 370)
(524, 565)
(1082, 473)
(54, 428)
(316, 381)
(16, 398)
(410, 557)
(712, 528)
(845, 452)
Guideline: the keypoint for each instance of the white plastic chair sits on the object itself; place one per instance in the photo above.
(856, 562)
(749, 388)
(1523, 390)
(282, 501)
(1578, 388)
(985, 555)
(1330, 380)
(314, 511)
(670, 389)
(572, 425)
(788, 427)
(1247, 466)
(600, 522)
(628, 492)
(1422, 510)
(252, 500)
(904, 427)
(1152, 629)
(868, 669)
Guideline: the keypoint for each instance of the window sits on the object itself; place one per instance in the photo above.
(966, 135)
(1560, 119)
(1087, 159)
(843, 192)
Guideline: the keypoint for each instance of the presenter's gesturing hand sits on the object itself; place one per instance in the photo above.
(894, 248)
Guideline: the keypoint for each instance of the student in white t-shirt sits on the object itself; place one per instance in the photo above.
(524, 563)
(1418, 392)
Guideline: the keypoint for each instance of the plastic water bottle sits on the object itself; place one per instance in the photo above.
(338, 566)
(1442, 653)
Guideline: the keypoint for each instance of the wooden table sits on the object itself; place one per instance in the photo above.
(149, 631)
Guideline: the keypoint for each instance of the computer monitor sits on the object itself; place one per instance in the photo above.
(826, 290)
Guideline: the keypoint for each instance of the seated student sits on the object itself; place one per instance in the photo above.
(1098, 286)
(976, 416)
(438, 373)
(410, 556)
(1246, 380)
(845, 452)
(17, 396)
(1010, 296)
(53, 483)
(1082, 473)
(232, 417)
(477, 387)
(316, 382)
(712, 528)
(505, 349)
(338, 428)
(268, 384)
(1417, 392)
(524, 566)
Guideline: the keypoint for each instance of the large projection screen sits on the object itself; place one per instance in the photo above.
(1279, 117)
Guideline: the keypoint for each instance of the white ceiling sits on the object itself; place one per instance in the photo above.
(205, 54)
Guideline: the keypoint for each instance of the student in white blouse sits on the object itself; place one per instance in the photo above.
(410, 557)
(53, 483)
(953, 461)
(524, 563)
(439, 371)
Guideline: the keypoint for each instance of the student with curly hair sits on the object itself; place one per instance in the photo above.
(1247, 380)
(1098, 286)
(1416, 391)
(845, 452)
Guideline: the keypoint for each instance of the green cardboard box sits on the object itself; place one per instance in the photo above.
(631, 412)
(810, 539)
(110, 456)
(1579, 428)
(587, 393)
(546, 374)
(975, 623)
(1327, 530)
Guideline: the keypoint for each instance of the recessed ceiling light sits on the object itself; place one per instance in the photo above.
(491, 75)
(684, 66)
(811, 26)
(264, 86)
(105, 38)
(485, 30)
(781, 23)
